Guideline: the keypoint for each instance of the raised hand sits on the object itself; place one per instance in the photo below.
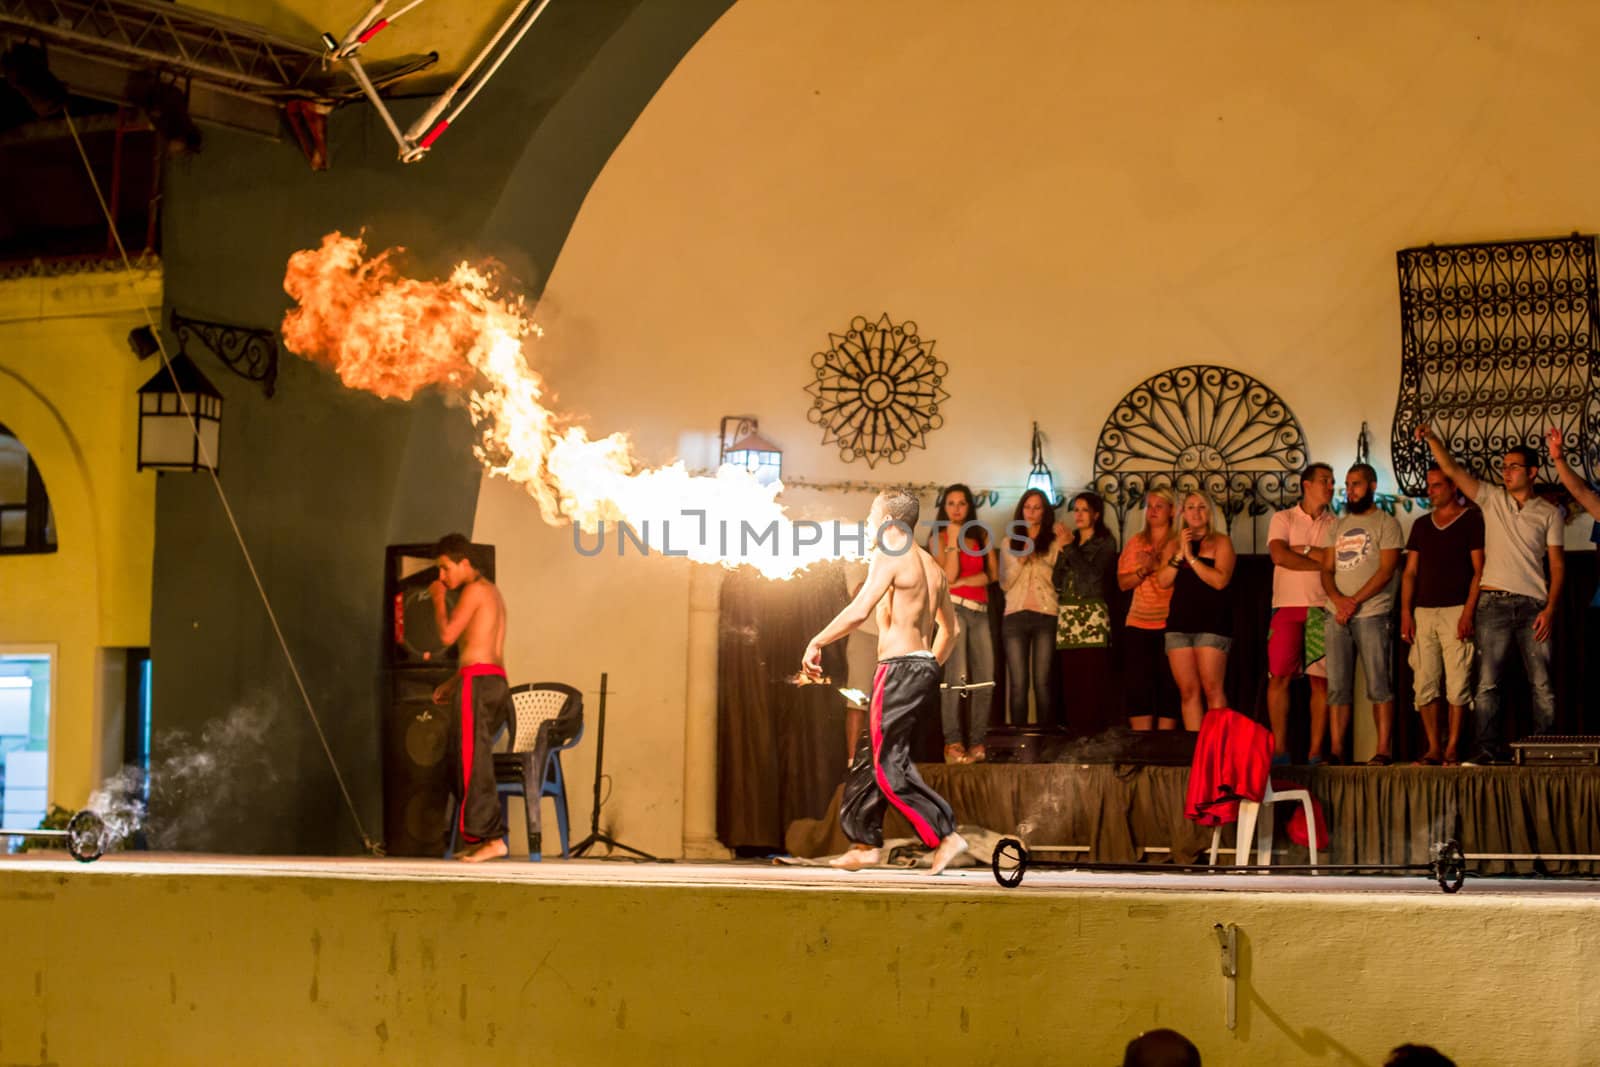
(1552, 437)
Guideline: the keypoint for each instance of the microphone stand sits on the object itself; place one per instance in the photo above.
(596, 835)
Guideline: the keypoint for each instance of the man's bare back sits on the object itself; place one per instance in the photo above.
(909, 593)
(907, 612)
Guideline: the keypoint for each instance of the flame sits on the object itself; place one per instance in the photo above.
(393, 336)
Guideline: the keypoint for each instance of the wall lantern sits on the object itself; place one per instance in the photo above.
(743, 447)
(167, 439)
(1039, 477)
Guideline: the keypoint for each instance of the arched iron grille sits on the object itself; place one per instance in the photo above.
(1201, 428)
(1498, 342)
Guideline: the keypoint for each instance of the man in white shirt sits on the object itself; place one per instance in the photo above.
(1517, 605)
(1293, 540)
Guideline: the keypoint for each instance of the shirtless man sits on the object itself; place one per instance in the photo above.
(907, 588)
(479, 623)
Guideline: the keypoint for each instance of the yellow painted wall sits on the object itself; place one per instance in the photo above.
(242, 970)
(1067, 197)
(67, 385)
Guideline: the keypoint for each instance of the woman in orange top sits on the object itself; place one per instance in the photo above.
(1147, 680)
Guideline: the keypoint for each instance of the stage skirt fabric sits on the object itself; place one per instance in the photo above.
(1373, 814)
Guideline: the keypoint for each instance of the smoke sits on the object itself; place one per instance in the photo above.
(192, 781)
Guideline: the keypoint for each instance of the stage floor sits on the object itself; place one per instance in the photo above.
(758, 875)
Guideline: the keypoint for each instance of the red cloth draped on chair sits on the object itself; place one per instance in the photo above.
(1231, 759)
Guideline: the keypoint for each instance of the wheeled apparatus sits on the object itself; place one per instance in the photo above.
(85, 836)
(1448, 866)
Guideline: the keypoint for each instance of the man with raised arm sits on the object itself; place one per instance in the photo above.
(1516, 606)
(1574, 483)
(1294, 541)
(484, 698)
(907, 589)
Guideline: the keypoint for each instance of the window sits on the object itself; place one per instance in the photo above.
(24, 734)
(26, 522)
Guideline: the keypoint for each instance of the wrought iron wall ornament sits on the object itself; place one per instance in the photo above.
(1498, 342)
(876, 391)
(250, 353)
(1201, 428)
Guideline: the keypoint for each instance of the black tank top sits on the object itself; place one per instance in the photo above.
(1196, 607)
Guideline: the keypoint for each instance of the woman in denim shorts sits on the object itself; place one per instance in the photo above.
(1200, 619)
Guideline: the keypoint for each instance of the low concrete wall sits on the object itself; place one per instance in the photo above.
(135, 963)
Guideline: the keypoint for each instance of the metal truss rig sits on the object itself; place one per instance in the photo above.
(415, 141)
(237, 74)
(220, 50)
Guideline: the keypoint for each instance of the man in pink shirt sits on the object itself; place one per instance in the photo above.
(1292, 541)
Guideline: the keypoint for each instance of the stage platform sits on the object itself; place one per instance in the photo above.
(165, 959)
(1133, 813)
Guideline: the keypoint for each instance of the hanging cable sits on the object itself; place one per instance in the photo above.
(374, 847)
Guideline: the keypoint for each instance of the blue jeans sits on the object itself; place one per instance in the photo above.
(1370, 637)
(1504, 619)
(972, 660)
(1030, 645)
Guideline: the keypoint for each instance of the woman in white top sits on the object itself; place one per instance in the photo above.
(1027, 566)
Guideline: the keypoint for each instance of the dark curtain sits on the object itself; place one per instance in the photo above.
(780, 747)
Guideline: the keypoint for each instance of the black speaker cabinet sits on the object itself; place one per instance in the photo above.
(418, 755)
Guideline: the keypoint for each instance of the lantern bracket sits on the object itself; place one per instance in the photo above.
(249, 352)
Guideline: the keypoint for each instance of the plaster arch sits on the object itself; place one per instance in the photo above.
(56, 451)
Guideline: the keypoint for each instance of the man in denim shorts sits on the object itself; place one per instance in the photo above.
(1357, 574)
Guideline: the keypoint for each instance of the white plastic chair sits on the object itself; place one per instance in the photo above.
(1252, 827)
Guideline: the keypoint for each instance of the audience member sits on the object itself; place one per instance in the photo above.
(1418, 1056)
(1200, 617)
(961, 544)
(1293, 540)
(1161, 1048)
(1147, 690)
(1026, 569)
(1357, 573)
(1086, 580)
(1438, 598)
(1516, 605)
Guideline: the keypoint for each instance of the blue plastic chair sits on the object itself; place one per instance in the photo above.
(547, 719)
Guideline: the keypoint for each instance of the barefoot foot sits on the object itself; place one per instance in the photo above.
(856, 859)
(488, 849)
(951, 847)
